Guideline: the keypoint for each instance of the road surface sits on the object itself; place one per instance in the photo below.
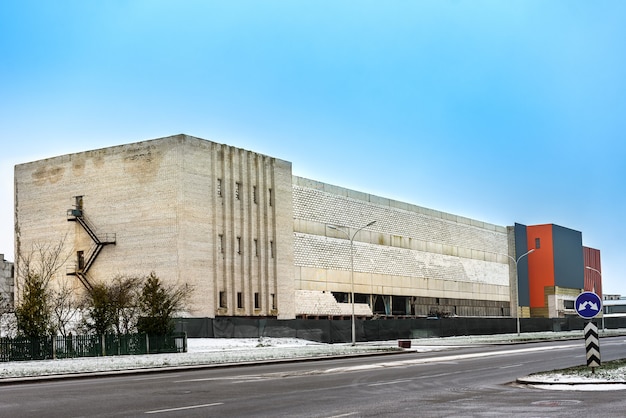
(461, 382)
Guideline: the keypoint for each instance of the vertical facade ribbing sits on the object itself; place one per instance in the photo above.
(161, 199)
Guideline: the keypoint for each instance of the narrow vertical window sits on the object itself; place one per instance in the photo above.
(272, 249)
(239, 300)
(273, 297)
(223, 299)
(254, 199)
(269, 195)
(238, 191)
(257, 301)
(80, 255)
(220, 243)
(219, 187)
(537, 243)
(238, 245)
(79, 205)
(256, 247)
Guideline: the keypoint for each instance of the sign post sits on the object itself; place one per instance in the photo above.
(588, 305)
(592, 346)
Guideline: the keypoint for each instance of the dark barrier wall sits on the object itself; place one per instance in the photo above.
(521, 246)
(340, 331)
(569, 265)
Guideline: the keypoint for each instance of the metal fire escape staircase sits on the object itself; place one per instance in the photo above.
(84, 263)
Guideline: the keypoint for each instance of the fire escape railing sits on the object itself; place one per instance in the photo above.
(83, 265)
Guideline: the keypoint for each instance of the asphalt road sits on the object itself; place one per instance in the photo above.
(466, 382)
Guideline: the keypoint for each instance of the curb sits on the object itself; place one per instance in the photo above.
(531, 381)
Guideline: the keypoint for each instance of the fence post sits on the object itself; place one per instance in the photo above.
(147, 344)
(54, 347)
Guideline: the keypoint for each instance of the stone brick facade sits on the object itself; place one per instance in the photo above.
(251, 238)
(193, 211)
(6, 282)
(409, 251)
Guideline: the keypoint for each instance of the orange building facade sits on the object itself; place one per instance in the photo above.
(557, 269)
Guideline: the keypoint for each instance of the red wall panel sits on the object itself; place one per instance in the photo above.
(593, 279)
(540, 263)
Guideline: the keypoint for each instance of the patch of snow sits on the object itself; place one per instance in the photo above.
(590, 387)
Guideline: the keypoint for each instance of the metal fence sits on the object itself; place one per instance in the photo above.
(73, 346)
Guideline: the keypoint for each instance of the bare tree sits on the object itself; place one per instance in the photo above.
(113, 307)
(64, 308)
(124, 292)
(35, 270)
(8, 324)
(98, 313)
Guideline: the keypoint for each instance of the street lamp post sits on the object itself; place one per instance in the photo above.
(600, 274)
(351, 238)
(517, 284)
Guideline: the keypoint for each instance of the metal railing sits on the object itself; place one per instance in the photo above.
(75, 346)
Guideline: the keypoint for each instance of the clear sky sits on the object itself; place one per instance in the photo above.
(502, 111)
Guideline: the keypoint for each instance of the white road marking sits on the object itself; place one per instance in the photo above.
(511, 366)
(388, 364)
(156, 377)
(392, 382)
(183, 408)
(455, 357)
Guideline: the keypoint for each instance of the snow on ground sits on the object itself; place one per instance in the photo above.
(203, 351)
(213, 351)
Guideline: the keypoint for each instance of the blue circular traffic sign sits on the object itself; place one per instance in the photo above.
(588, 305)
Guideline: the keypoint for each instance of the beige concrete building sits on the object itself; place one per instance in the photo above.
(195, 212)
(6, 283)
(254, 240)
(411, 261)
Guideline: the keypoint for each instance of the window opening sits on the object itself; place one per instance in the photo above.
(80, 255)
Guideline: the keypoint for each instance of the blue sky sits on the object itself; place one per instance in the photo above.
(501, 111)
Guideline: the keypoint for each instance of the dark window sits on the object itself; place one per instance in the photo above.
(238, 245)
(568, 304)
(80, 255)
(257, 301)
(537, 243)
(237, 191)
(256, 248)
(273, 297)
(270, 197)
(239, 300)
(272, 249)
(219, 187)
(254, 199)
(223, 299)
(220, 243)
